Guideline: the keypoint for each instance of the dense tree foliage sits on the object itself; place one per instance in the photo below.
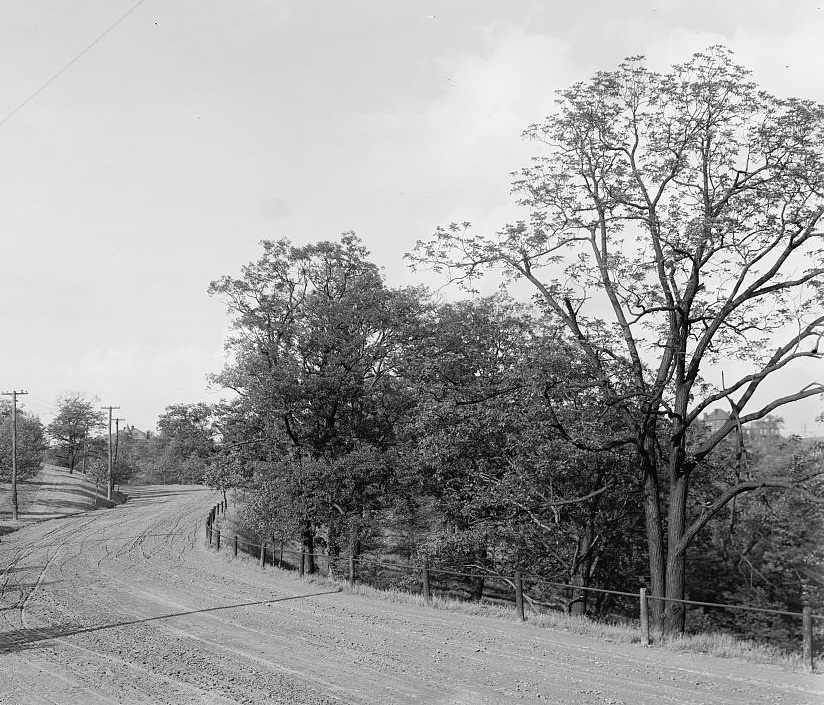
(185, 442)
(31, 443)
(77, 420)
(178, 453)
(315, 346)
(764, 549)
(361, 409)
(512, 492)
(314, 360)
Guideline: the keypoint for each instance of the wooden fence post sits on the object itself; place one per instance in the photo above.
(302, 560)
(807, 626)
(644, 612)
(218, 540)
(262, 554)
(519, 596)
(235, 545)
(211, 533)
(427, 595)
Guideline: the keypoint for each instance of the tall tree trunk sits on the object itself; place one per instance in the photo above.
(354, 550)
(655, 547)
(309, 550)
(332, 550)
(476, 588)
(675, 613)
(581, 571)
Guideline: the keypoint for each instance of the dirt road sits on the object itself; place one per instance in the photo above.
(126, 605)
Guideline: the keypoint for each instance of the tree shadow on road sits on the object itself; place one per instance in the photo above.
(139, 495)
(22, 639)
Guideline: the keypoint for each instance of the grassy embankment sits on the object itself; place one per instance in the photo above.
(714, 644)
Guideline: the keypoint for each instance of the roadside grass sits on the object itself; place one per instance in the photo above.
(713, 644)
(720, 645)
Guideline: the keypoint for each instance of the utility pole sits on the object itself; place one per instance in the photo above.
(116, 439)
(110, 483)
(13, 394)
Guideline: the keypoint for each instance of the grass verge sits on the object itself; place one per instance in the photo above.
(713, 644)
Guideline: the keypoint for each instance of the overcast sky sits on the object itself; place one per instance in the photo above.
(195, 128)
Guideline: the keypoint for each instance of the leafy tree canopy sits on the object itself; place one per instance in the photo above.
(31, 443)
(77, 419)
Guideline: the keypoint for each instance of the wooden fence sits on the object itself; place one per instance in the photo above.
(267, 552)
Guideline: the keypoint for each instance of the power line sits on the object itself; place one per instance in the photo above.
(72, 62)
(45, 401)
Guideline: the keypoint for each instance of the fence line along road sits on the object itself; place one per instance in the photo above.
(213, 536)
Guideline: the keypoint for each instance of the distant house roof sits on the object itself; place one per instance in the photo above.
(768, 427)
(136, 433)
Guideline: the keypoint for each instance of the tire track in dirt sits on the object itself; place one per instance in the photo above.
(145, 613)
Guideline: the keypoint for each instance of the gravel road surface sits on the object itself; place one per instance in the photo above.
(127, 605)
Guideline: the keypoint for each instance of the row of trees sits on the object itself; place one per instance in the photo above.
(674, 224)
(77, 439)
(373, 418)
(178, 453)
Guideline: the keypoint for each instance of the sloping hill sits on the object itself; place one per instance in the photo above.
(53, 493)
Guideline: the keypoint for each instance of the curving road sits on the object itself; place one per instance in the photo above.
(127, 606)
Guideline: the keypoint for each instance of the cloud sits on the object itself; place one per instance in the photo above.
(458, 149)
(493, 96)
(275, 207)
(785, 59)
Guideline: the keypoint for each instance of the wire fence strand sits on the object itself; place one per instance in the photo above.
(498, 576)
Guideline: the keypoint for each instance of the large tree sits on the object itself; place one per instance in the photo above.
(31, 443)
(316, 345)
(186, 437)
(76, 420)
(675, 223)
